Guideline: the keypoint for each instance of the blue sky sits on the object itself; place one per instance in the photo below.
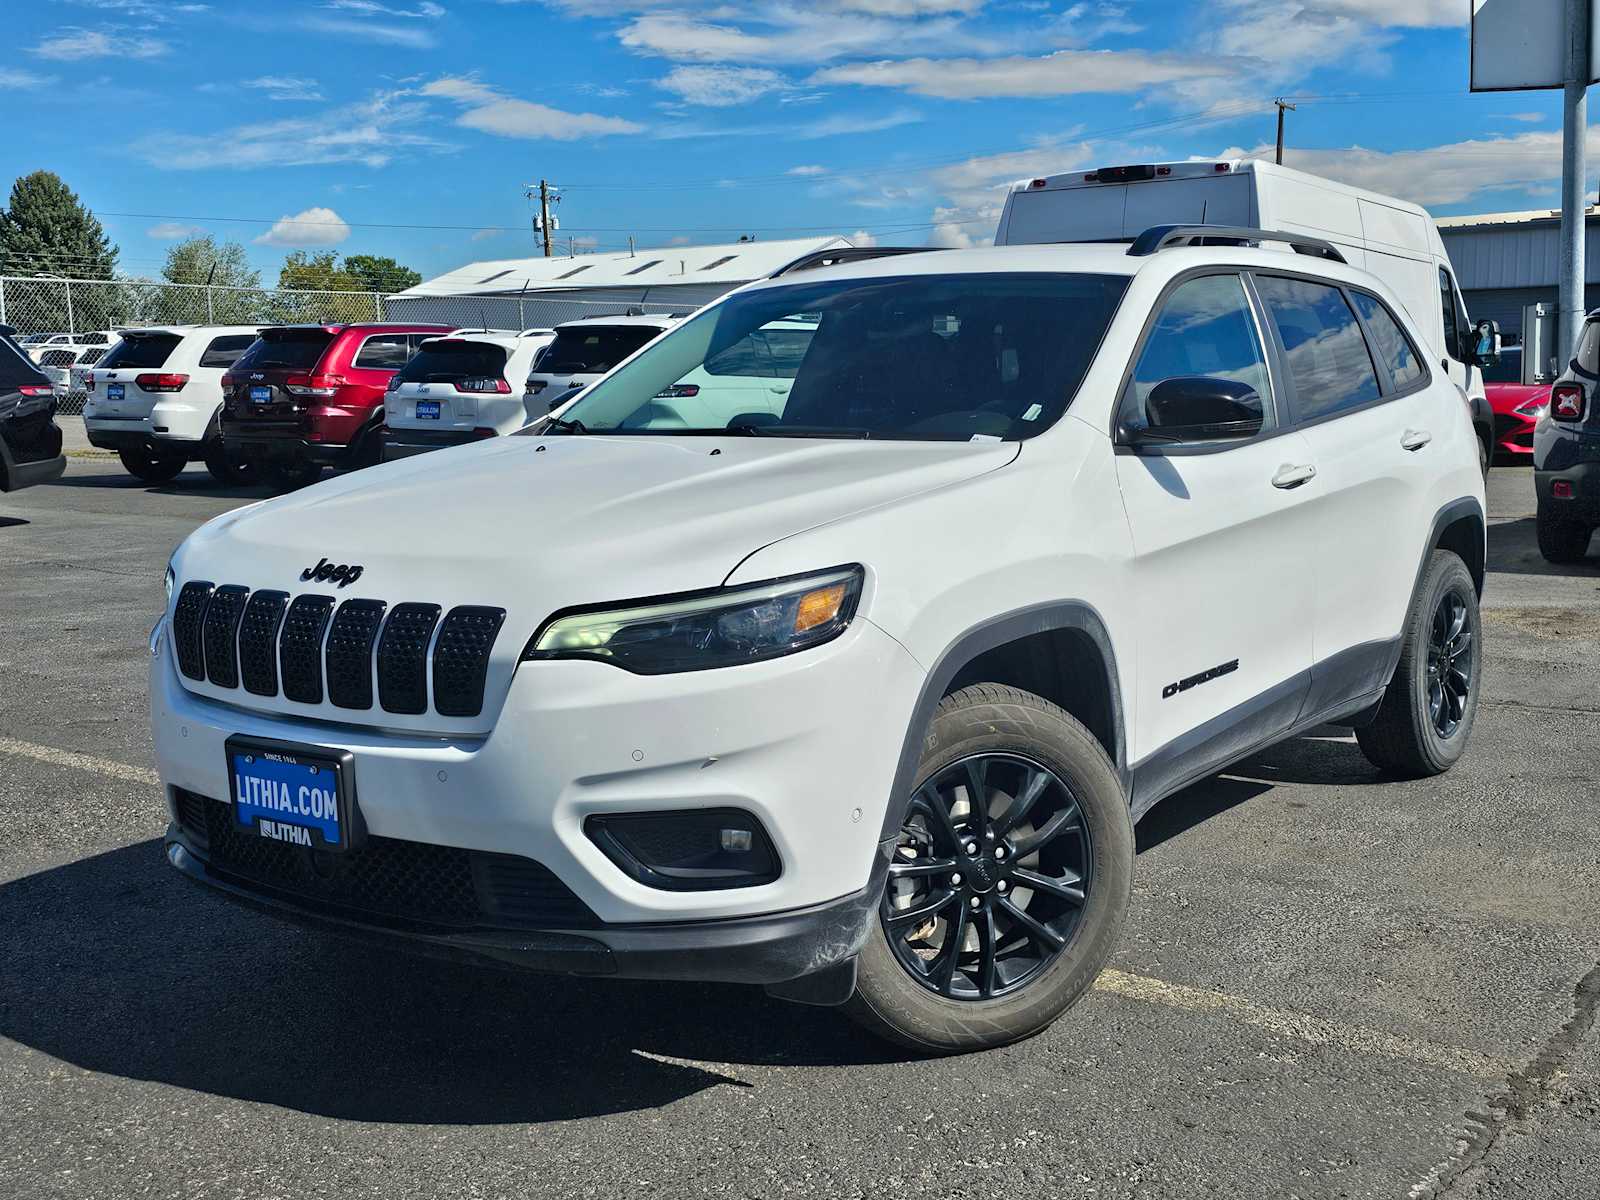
(409, 128)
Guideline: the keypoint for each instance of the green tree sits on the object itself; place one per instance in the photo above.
(380, 273)
(202, 260)
(318, 273)
(304, 271)
(46, 230)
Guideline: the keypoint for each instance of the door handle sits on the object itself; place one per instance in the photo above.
(1292, 476)
(1415, 439)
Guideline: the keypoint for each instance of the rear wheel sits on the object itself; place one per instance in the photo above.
(149, 465)
(1562, 540)
(1009, 883)
(225, 470)
(1422, 724)
(366, 452)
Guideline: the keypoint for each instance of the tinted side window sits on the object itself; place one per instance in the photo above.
(384, 352)
(224, 351)
(1447, 301)
(1327, 355)
(1205, 328)
(1392, 344)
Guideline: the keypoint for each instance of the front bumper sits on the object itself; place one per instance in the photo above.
(769, 949)
(1584, 502)
(807, 744)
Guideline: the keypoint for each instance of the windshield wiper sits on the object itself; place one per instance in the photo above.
(753, 429)
(567, 425)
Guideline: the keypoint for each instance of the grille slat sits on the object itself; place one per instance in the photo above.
(258, 642)
(461, 658)
(403, 658)
(349, 653)
(219, 634)
(388, 877)
(188, 617)
(300, 648)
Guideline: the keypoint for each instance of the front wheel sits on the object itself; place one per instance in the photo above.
(149, 465)
(1009, 883)
(1422, 724)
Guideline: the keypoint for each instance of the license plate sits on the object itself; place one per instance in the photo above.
(113, 391)
(297, 795)
(260, 395)
(427, 410)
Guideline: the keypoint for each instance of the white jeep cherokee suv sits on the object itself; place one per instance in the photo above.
(861, 699)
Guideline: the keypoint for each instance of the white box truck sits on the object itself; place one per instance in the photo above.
(1395, 240)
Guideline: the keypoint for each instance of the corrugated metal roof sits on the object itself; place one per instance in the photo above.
(726, 265)
(1514, 254)
(1524, 217)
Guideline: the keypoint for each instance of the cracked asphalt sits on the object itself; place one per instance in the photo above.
(1332, 985)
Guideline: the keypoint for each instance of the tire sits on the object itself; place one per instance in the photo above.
(366, 452)
(291, 474)
(1485, 458)
(225, 470)
(1562, 540)
(1408, 738)
(152, 466)
(964, 1001)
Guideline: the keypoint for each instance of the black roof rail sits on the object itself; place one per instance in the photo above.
(845, 254)
(1161, 237)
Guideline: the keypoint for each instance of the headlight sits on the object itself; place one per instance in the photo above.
(1533, 408)
(170, 581)
(701, 630)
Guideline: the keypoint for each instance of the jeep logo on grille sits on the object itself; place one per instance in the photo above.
(327, 572)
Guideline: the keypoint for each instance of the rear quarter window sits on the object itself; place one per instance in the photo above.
(1326, 352)
(384, 352)
(1393, 347)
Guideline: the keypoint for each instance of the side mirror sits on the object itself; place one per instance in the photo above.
(1199, 408)
(1487, 346)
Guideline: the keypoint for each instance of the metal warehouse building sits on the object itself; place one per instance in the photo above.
(527, 293)
(1504, 261)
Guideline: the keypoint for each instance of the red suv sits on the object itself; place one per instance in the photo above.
(304, 397)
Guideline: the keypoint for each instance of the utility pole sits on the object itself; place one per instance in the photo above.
(544, 215)
(1281, 106)
(1574, 126)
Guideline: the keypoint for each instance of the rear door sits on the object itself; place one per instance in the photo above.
(1223, 551)
(117, 379)
(1361, 391)
(447, 383)
(260, 392)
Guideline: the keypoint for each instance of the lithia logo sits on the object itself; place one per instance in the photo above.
(327, 572)
(1183, 685)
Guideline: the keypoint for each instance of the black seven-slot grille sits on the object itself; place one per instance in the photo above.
(231, 636)
(388, 877)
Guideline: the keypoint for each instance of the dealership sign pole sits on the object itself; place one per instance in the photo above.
(1525, 44)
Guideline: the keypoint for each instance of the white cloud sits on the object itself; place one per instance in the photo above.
(146, 10)
(285, 87)
(74, 43)
(720, 87)
(1527, 117)
(839, 125)
(11, 78)
(1444, 174)
(807, 169)
(492, 111)
(372, 133)
(314, 227)
(483, 235)
(1064, 73)
(776, 34)
(410, 37)
(862, 238)
(423, 11)
(172, 230)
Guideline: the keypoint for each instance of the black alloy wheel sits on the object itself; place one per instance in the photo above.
(1451, 656)
(990, 877)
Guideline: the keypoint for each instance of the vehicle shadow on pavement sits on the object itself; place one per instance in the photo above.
(189, 484)
(8, 522)
(116, 965)
(1514, 549)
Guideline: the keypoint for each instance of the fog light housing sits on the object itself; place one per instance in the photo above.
(706, 849)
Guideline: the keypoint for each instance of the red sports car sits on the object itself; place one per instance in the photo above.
(1517, 407)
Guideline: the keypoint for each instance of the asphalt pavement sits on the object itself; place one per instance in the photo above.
(1331, 986)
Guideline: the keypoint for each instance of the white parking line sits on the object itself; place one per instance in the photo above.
(79, 762)
(1315, 1031)
(1304, 1028)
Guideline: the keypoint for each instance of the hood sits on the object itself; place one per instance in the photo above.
(1504, 397)
(537, 524)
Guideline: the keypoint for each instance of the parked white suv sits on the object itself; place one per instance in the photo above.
(155, 395)
(584, 350)
(860, 703)
(461, 388)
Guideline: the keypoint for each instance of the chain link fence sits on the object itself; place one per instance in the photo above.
(90, 311)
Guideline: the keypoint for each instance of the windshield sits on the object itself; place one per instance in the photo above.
(294, 350)
(147, 350)
(591, 349)
(445, 362)
(920, 357)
